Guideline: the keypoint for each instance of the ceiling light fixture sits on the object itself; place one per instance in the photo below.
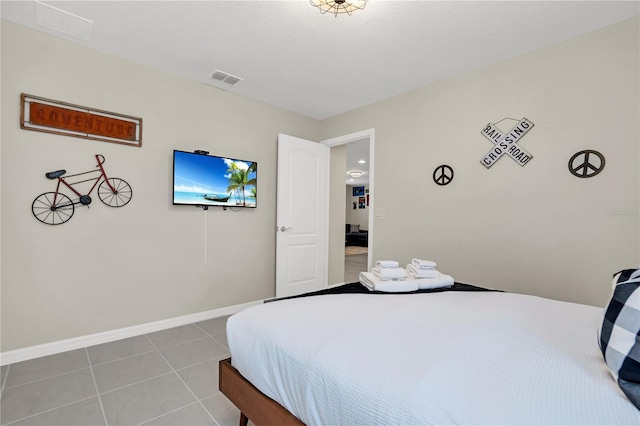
(336, 7)
(362, 161)
(355, 173)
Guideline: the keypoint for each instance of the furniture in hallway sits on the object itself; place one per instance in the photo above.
(356, 238)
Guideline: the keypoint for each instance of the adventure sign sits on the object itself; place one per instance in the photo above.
(507, 143)
(61, 118)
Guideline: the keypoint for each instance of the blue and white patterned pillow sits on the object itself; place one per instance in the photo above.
(620, 333)
(354, 228)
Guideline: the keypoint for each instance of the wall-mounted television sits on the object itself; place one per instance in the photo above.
(208, 180)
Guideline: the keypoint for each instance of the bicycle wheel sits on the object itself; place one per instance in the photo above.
(44, 210)
(118, 198)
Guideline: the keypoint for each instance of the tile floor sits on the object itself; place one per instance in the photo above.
(169, 377)
(353, 265)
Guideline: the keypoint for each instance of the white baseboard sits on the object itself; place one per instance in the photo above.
(17, 355)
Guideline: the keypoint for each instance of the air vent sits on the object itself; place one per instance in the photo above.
(226, 77)
(220, 76)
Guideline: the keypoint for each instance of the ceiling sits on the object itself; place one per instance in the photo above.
(358, 151)
(291, 56)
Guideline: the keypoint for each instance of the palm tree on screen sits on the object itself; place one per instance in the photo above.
(239, 179)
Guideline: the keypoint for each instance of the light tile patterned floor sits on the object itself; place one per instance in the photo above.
(353, 265)
(165, 378)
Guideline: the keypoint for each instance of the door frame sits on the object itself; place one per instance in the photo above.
(351, 137)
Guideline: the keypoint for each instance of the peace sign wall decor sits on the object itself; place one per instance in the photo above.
(443, 175)
(586, 163)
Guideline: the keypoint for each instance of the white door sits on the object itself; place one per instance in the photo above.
(302, 216)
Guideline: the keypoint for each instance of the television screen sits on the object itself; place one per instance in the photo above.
(207, 180)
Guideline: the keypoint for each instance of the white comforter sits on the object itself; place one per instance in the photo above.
(440, 358)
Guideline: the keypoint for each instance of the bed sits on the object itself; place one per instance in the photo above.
(451, 357)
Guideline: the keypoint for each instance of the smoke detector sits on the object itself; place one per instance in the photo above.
(225, 77)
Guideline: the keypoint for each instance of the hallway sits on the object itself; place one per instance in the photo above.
(353, 265)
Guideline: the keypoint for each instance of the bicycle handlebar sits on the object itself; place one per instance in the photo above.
(100, 158)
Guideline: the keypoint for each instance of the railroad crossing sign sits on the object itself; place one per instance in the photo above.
(507, 143)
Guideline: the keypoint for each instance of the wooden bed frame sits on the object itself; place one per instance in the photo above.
(253, 404)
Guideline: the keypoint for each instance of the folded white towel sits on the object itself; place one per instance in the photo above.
(389, 273)
(368, 280)
(440, 282)
(387, 264)
(415, 272)
(423, 264)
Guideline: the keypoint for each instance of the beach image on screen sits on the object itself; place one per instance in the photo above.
(213, 181)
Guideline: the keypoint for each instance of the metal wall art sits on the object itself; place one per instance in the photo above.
(507, 143)
(443, 175)
(56, 208)
(586, 163)
(61, 118)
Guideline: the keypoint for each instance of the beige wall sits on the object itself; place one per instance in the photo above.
(535, 229)
(111, 268)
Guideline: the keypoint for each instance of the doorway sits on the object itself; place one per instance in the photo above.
(356, 209)
(351, 225)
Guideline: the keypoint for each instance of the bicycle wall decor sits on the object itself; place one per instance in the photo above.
(56, 208)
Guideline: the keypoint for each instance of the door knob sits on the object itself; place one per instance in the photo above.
(285, 228)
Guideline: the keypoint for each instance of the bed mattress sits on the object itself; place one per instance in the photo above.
(440, 358)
